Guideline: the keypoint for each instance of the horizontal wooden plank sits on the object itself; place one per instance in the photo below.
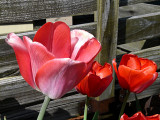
(59, 109)
(17, 88)
(140, 27)
(16, 28)
(132, 47)
(15, 93)
(25, 10)
(150, 91)
(129, 2)
(137, 9)
(8, 61)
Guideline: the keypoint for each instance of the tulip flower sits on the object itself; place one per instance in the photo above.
(57, 59)
(153, 117)
(135, 74)
(96, 81)
(140, 116)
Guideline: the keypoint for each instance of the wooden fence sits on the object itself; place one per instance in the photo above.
(129, 28)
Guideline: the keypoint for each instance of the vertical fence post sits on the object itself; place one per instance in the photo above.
(107, 29)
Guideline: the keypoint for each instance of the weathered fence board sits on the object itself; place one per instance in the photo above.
(132, 47)
(137, 9)
(25, 10)
(139, 28)
(107, 28)
(15, 93)
(129, 2)
(58, 109)
(16, 87)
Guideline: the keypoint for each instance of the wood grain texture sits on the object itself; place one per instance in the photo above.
(26, 10)
(139, 28)
(132, 47)
(107, 28)
(15, 93)
(8, 63)
(129, 2)
(137, 9)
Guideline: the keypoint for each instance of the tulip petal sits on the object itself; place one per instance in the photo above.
(82, 87)
(83, 37)
(97, 85)
(123, 83)
(145, 82)
(136, 116)
(45, 35)
(153, 117)
(131, 61)
(73, 43)
(96, 82)
(88, 51)
(149, 65)
(115, 65)
(58, 76)
(137, 80)
(56, 38)
(96, 67)
(61, 46)
(124, 117)
(22, 57)
(93, 85)
(38, 54)
(105, 71)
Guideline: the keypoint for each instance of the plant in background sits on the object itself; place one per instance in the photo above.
(135, 74)
(96, 81)
(56, 60)
(140, 116)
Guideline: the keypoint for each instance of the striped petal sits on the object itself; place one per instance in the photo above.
(56, 38)
(80, 37)
(59, 76)
(88, 51)
(38, 54)
(131, 61)
(22, 57)
(137, 80)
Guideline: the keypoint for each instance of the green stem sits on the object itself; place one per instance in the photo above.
(124, 104)
(43, 108)
(95, 117)
(138, 106)
(5, 118)
(86, 108)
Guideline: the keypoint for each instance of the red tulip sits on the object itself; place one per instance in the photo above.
(57, 59)
(140, 116)
(136, 116)
(135, 74)
(153, 117)
(96, 81)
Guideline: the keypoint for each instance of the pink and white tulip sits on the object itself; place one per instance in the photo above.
(57, 59)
